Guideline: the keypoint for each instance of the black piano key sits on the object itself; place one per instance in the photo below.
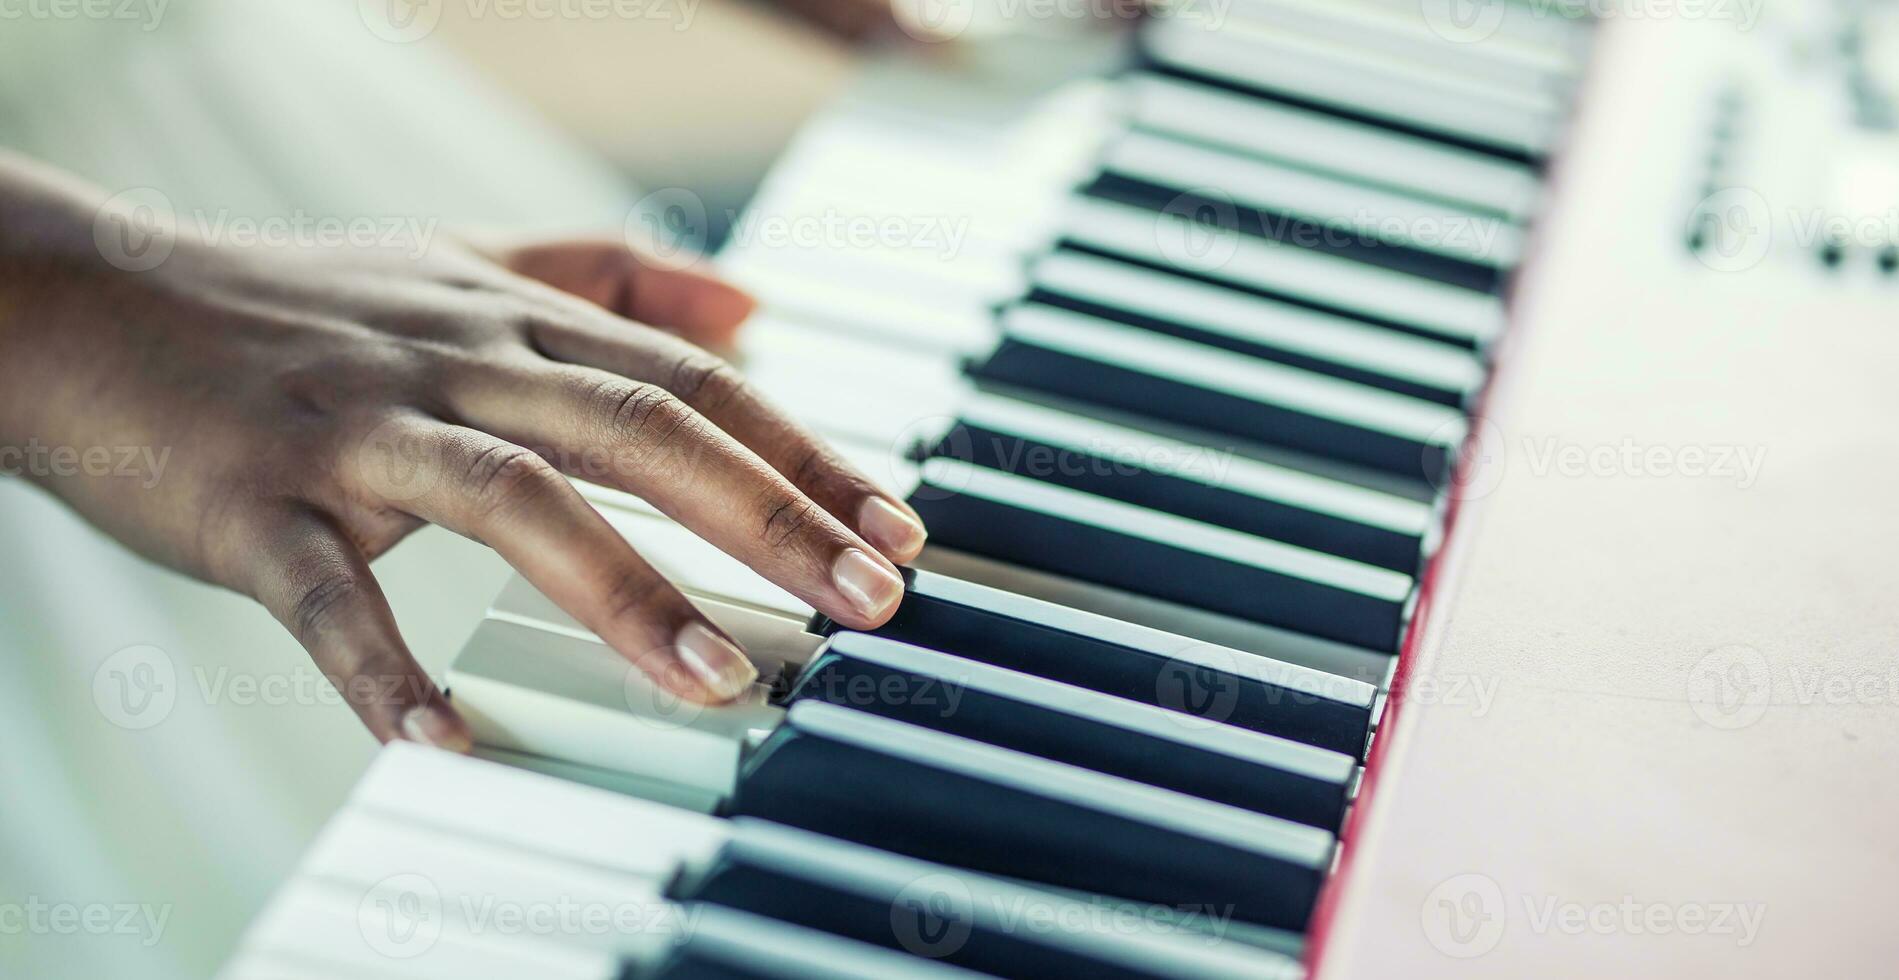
(1314, 210)
(959, 917)
(723, 944)
(979, 701)
(1094, 539)
(1193, 481)
(941, 798)
(1198, 247)
(1131, 661)
(1097, 361)
(1284, 333)
(1300, 232)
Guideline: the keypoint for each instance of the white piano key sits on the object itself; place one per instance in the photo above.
(1355, 209)
(1432, 307)
(964, 324)
(1558, 31)
(536, 814)
(342, 926)
(1407, 34)
(1331, 74)
(1328, 143)
(250, 965)
(494, 889)
(545, 693)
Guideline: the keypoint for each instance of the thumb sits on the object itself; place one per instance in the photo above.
(690, 301)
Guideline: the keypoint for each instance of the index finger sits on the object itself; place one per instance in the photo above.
(717, 391)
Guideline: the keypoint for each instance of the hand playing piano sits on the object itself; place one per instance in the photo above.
(318, 405)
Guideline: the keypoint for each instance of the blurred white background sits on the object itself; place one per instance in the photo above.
(166, 751)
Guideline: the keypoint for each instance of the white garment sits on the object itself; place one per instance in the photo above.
(177, 785)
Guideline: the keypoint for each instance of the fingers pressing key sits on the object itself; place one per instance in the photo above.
(511, 499)
(639, 438)
(721, 394)
(317, 583)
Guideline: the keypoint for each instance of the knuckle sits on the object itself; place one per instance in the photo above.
(812, 462)
(634, 406)
(505, 476)
(632, 596)
(705, 380)
(655, 426)
(788, 521)
(318, 602)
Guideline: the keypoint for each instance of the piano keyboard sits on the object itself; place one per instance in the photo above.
(1180, 403)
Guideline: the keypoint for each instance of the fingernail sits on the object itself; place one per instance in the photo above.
(723, 668)
(871, 587)
(885, 525)
(434, 724)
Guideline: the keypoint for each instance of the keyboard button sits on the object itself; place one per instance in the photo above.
(1279, 65)
(892, 901)
(1080, 727)
(1393, 220)
(941, 798)
(1281, 332)
(1127, 660)
(1191, 480)
(1175, 242)
(1095, 539)
(1089, 359)
(722, 944)
(1378, 156)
